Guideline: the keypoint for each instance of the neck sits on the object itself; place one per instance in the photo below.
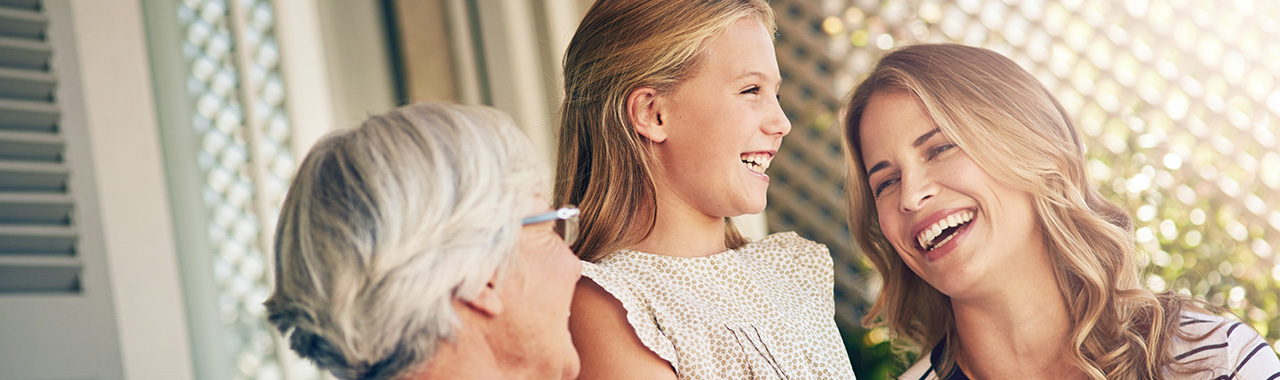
(467, 357)
(681, 230)
(475, 353)
(1018, 330)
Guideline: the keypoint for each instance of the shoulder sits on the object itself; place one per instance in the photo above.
(615, 274)
(790, 241)
(609, 342)
(926, 367)
(1224, 346)
(1200, 331)
(605, 289)
(787, 252)
(606, 304)
(790, 247)
(922, 370)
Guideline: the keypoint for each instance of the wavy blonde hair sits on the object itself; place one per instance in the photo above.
(1015, 130)
(604, 166)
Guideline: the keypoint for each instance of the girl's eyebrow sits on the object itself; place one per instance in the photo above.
(915, 144)
(751, 74)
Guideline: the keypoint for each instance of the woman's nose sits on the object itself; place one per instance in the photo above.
(917, 189)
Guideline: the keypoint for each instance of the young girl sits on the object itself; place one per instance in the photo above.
(998, 258)
(670, 119)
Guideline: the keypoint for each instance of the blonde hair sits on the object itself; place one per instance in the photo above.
(604, 166)
(1015, 130)
(387, 224)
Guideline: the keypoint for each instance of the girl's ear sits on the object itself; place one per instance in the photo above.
(644, 109)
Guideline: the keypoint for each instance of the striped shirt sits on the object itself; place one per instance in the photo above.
(1232, 352)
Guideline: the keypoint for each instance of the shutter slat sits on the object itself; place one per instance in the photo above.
(24, 54)
(31, 5)
(35, 208)
(22, 23)
(18, 176)
(24, 146)
(32, 116)
(42, 240)
(26, 85)
(34, 273)
(38, 235)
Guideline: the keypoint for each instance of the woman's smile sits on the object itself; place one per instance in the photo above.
(934, 202)
(940, 233)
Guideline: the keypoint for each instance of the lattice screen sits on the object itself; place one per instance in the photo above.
(1178, 101)
(247, 163)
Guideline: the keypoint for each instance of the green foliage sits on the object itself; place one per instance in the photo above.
(871, 356)
(1195, 210)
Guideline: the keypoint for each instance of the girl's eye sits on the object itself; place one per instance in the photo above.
(751, 90)
(882, 186)
(935, 151)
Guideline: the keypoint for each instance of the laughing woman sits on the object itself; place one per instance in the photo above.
(997, 257)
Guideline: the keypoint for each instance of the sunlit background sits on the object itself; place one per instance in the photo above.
(198, 110)
(1178, 101)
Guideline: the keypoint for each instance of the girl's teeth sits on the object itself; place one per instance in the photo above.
(757, 163)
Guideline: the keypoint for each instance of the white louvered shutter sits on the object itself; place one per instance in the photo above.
(37, 239)
(56, 314)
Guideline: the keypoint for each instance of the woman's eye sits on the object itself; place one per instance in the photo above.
(882, 186)
(935, 151)
(751, 90)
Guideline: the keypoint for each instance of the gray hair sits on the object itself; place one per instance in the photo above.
(387, 224)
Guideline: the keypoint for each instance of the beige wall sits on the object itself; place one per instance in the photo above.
(132, 196)
(355, 48)
(424, 34)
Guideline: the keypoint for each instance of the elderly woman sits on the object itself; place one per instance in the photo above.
(420, 246)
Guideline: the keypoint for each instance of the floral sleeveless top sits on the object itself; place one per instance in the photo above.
(764, 311)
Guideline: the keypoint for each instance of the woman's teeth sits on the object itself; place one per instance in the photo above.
(757, 162)
(951, 221)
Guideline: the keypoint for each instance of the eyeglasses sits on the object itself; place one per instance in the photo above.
(566, 219)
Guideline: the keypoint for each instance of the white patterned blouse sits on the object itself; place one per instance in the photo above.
(764, 311)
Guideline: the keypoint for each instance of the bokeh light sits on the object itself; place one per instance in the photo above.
(1177, 101)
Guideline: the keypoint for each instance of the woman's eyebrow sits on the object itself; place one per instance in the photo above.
(925, 137)
(915, 144)
(877, 167)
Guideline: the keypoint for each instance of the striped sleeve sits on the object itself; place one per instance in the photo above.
(1231, 351)
(1253, 359)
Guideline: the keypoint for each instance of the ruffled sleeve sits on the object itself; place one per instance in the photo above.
(814, 261)
(640, 313)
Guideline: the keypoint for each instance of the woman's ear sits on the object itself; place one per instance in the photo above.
(488, 302)
(644, 110)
